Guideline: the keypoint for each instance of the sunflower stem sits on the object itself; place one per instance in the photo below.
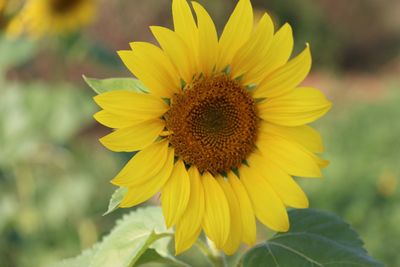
(216, 257)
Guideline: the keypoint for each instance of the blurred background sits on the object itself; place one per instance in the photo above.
(54, 175)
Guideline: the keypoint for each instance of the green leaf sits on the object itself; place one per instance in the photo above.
(116, 199)
(130, 239)
(315, 238)
(152, 256)
(106, 85)
(82, 260)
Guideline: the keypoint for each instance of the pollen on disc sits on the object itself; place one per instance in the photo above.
(214, 124)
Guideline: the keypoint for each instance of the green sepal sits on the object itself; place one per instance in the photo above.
(105, 85)
(116, 199)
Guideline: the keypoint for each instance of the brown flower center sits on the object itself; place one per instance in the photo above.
(63, 6)
(213, 123)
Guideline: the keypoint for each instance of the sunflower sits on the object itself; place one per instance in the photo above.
(2, 10)
(2, 5)
(222, 129)
(52, 17)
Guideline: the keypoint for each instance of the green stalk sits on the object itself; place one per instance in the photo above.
(214, 256)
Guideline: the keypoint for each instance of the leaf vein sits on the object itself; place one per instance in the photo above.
(296, 252)
(272, 255)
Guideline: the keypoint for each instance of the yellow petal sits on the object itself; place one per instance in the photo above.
(208, 40)
(236, 32)
(136, 106)
(175, 194)
(186, 242)
(185, 26)
(268, 207)
(289, 156)
(189, 226)
(177, 50)
(143, 166)
(216, 221)
(255, 49)
(282, 183)
(151, 66)
(235, 233)
(303, 135)
(246, 210)
(285, 78)
(140, 193)
(299, 107)
(133, 138)
(113, 120)
(277, 55)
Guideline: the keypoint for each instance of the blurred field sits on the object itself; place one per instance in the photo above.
(54, 174)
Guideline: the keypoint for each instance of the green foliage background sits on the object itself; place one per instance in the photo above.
(54, 175)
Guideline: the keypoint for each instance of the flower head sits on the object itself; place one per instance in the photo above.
(222, 129)
(52, 17)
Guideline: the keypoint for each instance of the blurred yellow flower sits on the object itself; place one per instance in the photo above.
(223, 128)
(387, 184)
(2, 4)
(52, 17)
